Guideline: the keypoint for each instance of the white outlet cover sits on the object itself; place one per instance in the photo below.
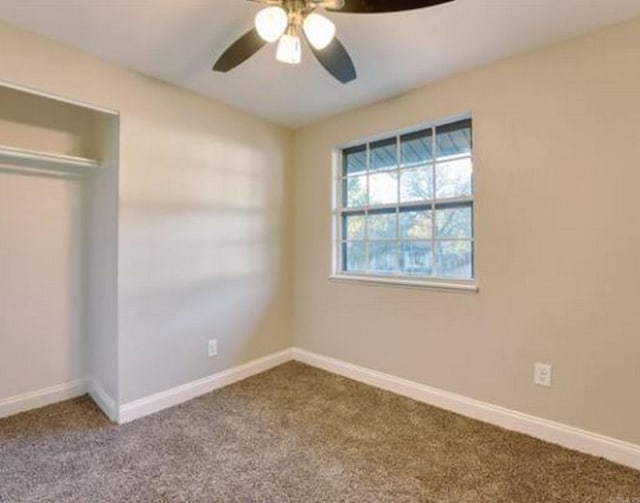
(212, 347)
(542, 374)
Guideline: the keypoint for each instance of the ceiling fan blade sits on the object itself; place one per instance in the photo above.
(336, 61)
(238, 52)
(381, 6)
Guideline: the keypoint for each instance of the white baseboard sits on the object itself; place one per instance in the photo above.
(42, 397)
(103, 400)
(588, 442)
(174, 396)
(595, 444)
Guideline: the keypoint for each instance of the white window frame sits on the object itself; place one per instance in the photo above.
(397, 279)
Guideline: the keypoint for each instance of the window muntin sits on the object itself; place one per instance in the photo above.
(406, 206)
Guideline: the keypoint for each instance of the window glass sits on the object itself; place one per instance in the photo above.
(454, 259)
(416, 258)
(416, 224)
(453, 139)
(383, 256)
(353, 226)
(416, 184)
(355, 256)
(454, 222)
(383, 188)
(453, 178)
(354, 160)
(383, 155)
(407, 205)
(382, 225)
(416, 148)
(354, 191)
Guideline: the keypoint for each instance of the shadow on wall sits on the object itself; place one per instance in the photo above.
(202, 248)
(218, 212)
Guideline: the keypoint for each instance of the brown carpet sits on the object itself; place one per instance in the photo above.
(293, 434)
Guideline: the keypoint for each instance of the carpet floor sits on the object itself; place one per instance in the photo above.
(292, 434)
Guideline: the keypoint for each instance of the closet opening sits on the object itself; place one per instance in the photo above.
(58, 250)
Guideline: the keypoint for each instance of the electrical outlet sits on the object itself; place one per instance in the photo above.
(212, 347)
(542, 374)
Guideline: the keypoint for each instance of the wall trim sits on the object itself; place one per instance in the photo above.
(179, 394)
(103, 400)
(570, 437)
(57, 97)
(39, 398)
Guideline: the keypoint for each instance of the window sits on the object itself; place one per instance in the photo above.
(405, 208)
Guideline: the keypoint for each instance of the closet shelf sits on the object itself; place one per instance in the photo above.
(18, 158)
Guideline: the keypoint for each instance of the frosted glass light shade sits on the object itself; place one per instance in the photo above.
(271, 23)
(289, 49)
(319, 30)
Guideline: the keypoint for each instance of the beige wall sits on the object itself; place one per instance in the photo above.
(204, 236)
(41, 283)
(556, 136)
(37, 123)
(203, 242)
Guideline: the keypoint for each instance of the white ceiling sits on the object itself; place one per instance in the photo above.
(178, 41)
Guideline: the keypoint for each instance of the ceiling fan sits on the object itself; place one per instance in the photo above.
(285, 21)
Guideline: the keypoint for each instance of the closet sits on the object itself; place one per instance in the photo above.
(58, 250)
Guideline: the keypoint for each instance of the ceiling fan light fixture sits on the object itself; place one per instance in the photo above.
(271, 23)
(319, 30)
(285, 19)
(289, 50)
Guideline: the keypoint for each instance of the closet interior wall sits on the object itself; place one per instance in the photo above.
(58, 250)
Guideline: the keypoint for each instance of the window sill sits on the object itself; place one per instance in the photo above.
(436, 285)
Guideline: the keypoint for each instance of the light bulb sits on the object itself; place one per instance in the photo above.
(271, 23)
(289, 49)
(319, 30)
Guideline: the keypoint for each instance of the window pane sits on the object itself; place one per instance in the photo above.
(353, 226)
(383, 155)
(381, 225)
(416, 184)
(354, 191)
(354, 160)
(383, 188)
(453, 139)
(454, 223)
(407, 204)
(415, 224)
(454, 259)
(383, 256)
(416, 148)
(416, 258)
(354, 256)
(453, 179)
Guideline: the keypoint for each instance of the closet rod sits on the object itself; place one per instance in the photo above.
(32, 160)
